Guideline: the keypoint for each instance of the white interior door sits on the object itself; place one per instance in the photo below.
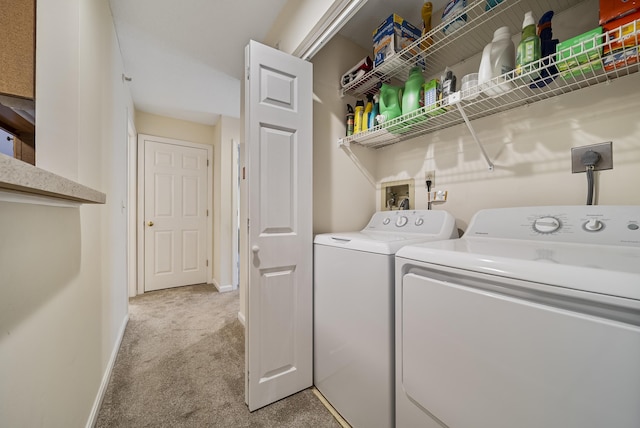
(175, 214)
(278, 121)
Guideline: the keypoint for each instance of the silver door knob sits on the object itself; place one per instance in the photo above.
(255, 248)
(150, 223)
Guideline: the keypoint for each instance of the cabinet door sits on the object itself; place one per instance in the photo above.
(17, 48)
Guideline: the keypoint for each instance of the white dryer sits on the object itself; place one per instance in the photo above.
(354, 311)
(530, 320)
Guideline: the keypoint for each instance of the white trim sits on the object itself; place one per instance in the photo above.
(209, 149)
(241, 318)
(329, 24)
(93, 416)
(132, 207)
(222, 288)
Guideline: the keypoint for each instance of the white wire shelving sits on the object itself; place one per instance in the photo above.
(463, 106)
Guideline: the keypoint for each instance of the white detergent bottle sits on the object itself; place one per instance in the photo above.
(498, 58)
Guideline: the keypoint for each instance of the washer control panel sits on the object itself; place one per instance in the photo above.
(592, 224)
(411, 221)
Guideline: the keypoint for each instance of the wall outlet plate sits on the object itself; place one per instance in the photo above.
(430, 175)
(603, 149)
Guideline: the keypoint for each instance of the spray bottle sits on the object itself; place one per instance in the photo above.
(357, 123)
(373, 121)
(350, 119)
(528, 50)
(427, 10)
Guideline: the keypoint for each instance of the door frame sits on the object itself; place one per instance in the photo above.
(141, 198)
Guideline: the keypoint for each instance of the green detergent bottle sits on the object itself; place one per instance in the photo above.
(390, 102)
(413, 96)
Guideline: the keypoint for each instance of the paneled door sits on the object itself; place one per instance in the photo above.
(175, 213)
(278, 134)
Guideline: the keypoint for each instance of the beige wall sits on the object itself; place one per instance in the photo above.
(63, 287)
(294, 23)
(529, 146)
(343, 197)
(162, 126)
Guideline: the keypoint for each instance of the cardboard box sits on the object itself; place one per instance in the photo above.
(393, 35)
(581, 49)
(620, 58)
(622, 32)
(613, 9)
(582, 69)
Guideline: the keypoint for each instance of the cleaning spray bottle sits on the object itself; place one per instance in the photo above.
(350, 119)
(368, 108)
(427, 10)
(528, 50)
(357, 123)
(374, 112)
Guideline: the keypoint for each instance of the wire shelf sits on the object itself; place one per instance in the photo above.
(514, 90)
(446, 50)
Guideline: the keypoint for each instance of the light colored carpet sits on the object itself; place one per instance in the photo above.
(181, 364)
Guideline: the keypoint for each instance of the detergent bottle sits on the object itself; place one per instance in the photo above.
(357, 123)
(413, 96)
(498, 58)
(368, 108)
(529, 50)
(390, 102)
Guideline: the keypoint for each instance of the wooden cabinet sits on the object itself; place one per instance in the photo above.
(17, 48)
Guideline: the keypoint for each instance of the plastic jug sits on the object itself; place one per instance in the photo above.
(413, 96)
(528, 49)
(390, 102)
(498, 58)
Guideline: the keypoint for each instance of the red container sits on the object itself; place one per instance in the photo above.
(612, 9)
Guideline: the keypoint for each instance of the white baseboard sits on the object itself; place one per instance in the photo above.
(222, 288)
(93, 417)
(241, 318)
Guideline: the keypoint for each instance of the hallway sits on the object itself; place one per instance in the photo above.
(181, 364)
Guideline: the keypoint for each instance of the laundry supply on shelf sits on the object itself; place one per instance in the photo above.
(529, 50)
(452, 12)
(498, 59)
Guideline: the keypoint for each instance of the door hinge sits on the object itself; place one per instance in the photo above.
(247, 224)
(207, 162)
(207, 213)
(207, 262)
(247, 73)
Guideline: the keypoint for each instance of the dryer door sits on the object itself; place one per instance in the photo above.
(477, 358)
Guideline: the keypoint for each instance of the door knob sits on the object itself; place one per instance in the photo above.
(150, 223)
(255, 248)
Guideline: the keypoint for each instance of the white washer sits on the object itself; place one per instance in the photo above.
(531, 319)
(353, 311)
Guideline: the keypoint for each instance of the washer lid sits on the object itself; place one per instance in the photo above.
(373, 242)
(604, 269)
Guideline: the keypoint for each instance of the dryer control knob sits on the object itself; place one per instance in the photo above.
(387, 220)
(546, 224)
(419, 222)
(401, 221)
(593, 225)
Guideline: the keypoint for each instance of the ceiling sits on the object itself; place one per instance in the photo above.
(186, 58)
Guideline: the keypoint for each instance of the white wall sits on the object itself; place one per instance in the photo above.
(63, 291)
(162, 126)
(530, 146)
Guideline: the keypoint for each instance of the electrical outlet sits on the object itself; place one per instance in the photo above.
(430, 175)
(603, 149)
